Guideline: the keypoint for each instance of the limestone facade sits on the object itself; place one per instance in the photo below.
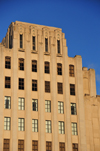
(48, 102)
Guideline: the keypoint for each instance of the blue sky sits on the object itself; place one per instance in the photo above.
(79, 20)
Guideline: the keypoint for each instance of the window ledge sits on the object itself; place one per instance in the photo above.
(34, 51)
(21, 49)
(46, 53)
(59, 55)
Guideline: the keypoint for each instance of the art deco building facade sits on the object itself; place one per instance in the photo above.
(48, 102)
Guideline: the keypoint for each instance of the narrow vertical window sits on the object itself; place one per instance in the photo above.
(71, 70)
(21, 64)
(75, 147)
(34, 145)
(47, 86)
(33, 43)
(34, 125)
(46, 44)
(7, 102)
(58, 46)
(47, 106)
(34, 105)
(48, 126)
(21, 103)
(10, 41)
(34, 65)
(34, 85)
(59, 68)
(47, 67)
(7, 82)
(6, 145)
(72, 89)
(21, 124)
(8, 62)
(60, 107)
(60, 88)
(6, 123)
(21, 41)
(61, 146)
(21, 83)
(48, 146)
(61, 127)
(74, 129)
(20, 145)
(73, 108)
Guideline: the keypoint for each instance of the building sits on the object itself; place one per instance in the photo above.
(48, 102)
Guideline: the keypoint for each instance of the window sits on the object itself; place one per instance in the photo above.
(46, 44)
(34, 125)
(60, 107)
(47, 86)
(6, 145)
(75, 147)
(58, 46)
(6, 123)
(34, 105)
(20, 145)
(74, 129)
(7, 82)
(7, 102)
(33, 43)
(71, 70)
(21, 64)
(73, 108)
(48, 146)
(47, 67)
(61, 127)
(8, 62)
(10, 41)
(48, 126)
(21, 124)
(59, 68)
(21, 41)
(21, 103)
(34, 85)
(72, 89)
(60, 88)
(34, 66)
(34, 145)
(21, 83)
(47, 106)
(61, 146)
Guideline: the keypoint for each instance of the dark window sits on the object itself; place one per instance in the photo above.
(34, 105)
(48, 146)
(7, 82)
(34, 66)
(71, 70)
(47, 86)
(61, 146)
(58, 46)
(8, 62)
(46, 44)
(73, 108)
(75, 147)
(59, 68)
(47, 67)
(33, 43)
(34, 145)
(20, 145)
(21, 64)
(6, 145)
(60, 88)
(34, 85)
(72, 89)
(10, 41)
(7, 102)
(21, 83)
(21, 41)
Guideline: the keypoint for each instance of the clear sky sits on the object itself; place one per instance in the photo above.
(79, 20)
